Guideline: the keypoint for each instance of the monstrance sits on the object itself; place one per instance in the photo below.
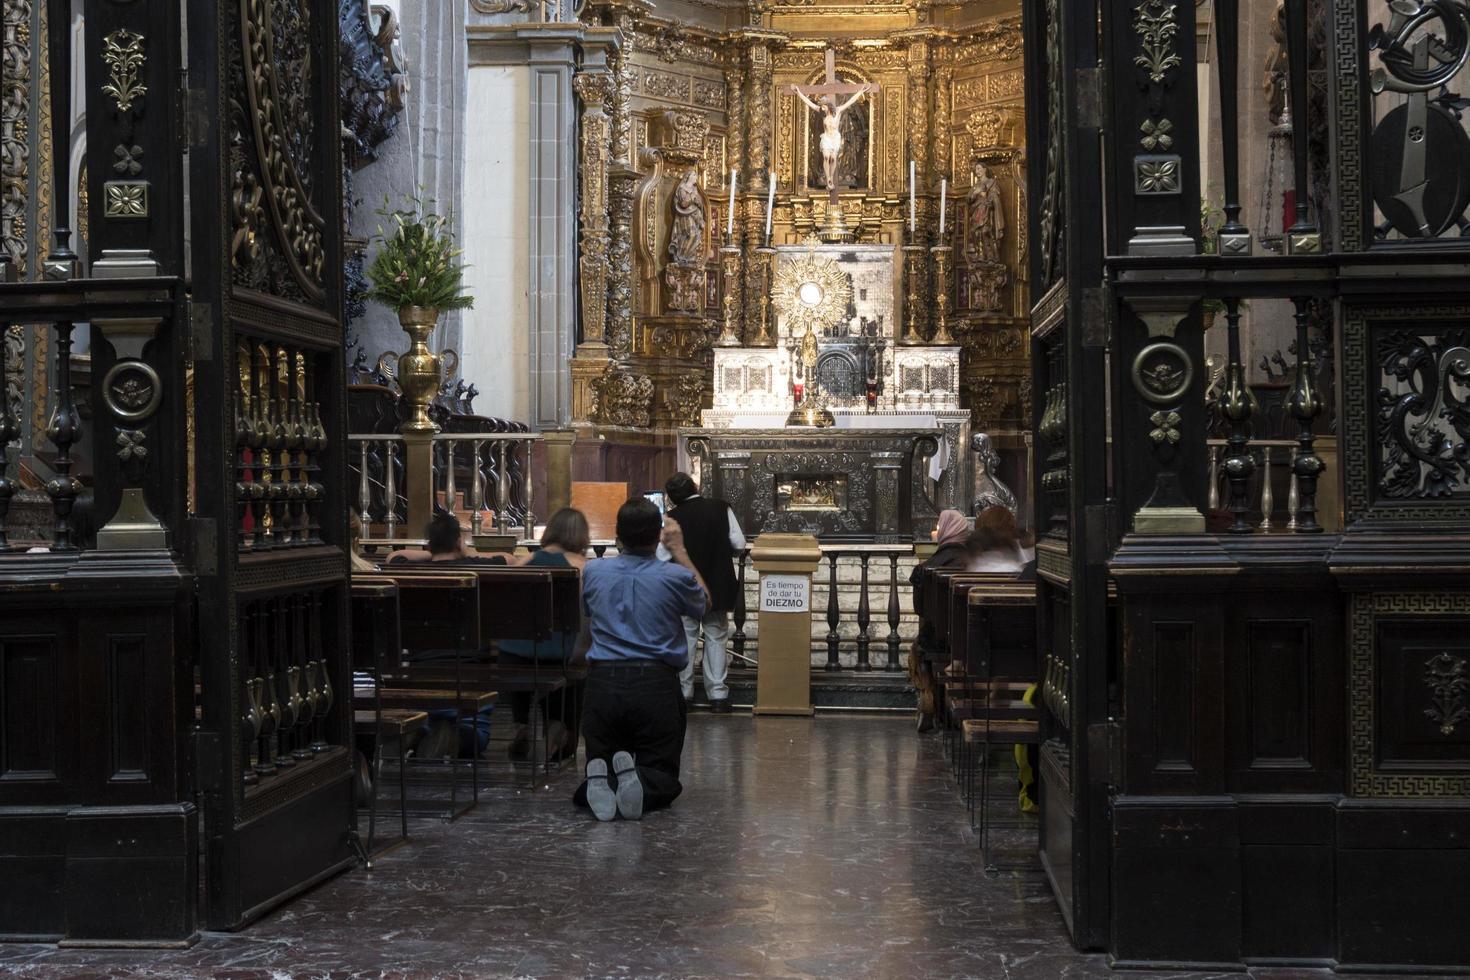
(810, 293)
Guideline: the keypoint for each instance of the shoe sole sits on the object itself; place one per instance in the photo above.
(600, 796)
(630, 787)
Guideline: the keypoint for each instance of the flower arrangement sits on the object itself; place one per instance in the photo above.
(417, 264)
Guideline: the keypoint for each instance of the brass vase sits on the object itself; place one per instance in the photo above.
(420, 371)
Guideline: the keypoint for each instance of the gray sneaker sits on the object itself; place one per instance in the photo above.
(630, 787)
(600, 792)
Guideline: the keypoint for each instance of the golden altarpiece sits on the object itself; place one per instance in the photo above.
(681, 321)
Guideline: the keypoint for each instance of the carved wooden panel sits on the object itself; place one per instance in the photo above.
(30, 675)
(1278, 703)
(128, 708)
(1175, 688)
(1409, 693)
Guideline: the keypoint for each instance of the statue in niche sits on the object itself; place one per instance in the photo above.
(987, 217)
(686, 239)
(685, 274)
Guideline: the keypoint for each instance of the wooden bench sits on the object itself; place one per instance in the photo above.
(436, 612)
(510, 603)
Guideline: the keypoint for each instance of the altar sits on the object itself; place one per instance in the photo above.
(891, 453)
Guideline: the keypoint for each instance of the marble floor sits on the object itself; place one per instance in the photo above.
(834, 847)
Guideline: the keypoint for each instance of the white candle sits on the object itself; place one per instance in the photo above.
(770, 202)
(730, 219)
(911, 197)
(943, 194)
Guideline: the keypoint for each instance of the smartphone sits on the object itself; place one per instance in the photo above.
(657, 498)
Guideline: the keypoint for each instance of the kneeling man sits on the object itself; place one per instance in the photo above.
(633, 714)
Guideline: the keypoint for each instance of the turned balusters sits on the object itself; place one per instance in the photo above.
(477, 487)
(832, 613)
(864, 617)
(390, 487)
(893, 611)
(1303, 235)
(737, 639)
(1234, 237)
(325, 693)
(1305, 404)
(61, 263)
(63, 430)
(451, 487)
(1237, 405)
(529, 486)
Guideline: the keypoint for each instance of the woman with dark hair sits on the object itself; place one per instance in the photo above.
(444, 541)
(564, 544)
(995, 544)
(950, 536)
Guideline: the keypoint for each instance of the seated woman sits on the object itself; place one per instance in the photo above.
(995, 544)
(564, 544)
(444, 539)
(950, 535)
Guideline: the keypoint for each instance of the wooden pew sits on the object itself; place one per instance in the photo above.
(438, 612)
(375, 645)
(511, 603)
(1000, 663)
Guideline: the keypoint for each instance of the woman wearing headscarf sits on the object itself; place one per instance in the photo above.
(950, 535)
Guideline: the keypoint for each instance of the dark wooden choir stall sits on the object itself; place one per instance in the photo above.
(175, 726)
(1267, 760)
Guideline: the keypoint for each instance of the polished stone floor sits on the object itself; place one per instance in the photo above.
(834, 847)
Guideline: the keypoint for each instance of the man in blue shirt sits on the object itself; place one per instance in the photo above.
(633, 715)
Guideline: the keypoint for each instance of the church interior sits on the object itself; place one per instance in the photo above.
(1057, 413)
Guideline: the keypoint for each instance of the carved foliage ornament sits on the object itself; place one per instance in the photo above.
(1424, 413)
(1156, 24)
(623, 398)
(278, 86)
(122, 52)
(1449, 691)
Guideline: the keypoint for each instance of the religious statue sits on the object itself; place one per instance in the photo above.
(986, 274)
(685, 273)
(987, 217)
(686, 238)
(989, 490)
(826, 103)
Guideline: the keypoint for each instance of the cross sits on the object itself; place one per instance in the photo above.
(826, 96)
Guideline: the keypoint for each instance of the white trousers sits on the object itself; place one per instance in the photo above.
(716, 629)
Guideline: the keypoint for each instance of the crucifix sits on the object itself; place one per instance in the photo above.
(826, 96)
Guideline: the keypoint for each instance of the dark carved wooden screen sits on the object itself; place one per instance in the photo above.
(269, 449)
(1068, 348)
(1269, 761)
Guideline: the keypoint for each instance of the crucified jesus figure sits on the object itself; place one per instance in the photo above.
(826, 103)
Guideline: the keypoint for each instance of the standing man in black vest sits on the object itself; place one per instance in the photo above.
(713, 538)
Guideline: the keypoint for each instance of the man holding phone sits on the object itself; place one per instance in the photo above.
(633, 717)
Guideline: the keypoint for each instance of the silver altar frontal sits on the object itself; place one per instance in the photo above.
(895, 452)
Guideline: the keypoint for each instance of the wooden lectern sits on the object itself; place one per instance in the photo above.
(785, 563)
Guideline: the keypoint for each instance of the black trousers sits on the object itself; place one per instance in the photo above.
(637, 709)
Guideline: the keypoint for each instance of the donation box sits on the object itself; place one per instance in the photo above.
(785, 563)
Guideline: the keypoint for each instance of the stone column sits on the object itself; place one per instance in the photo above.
(553, 224)
(623, 179)
(558, 443)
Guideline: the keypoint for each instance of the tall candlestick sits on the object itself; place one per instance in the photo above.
(911, 197)
(943, 194)
(770, 201)
(730, 218)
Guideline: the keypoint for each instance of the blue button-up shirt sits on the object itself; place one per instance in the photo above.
(634, 604)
